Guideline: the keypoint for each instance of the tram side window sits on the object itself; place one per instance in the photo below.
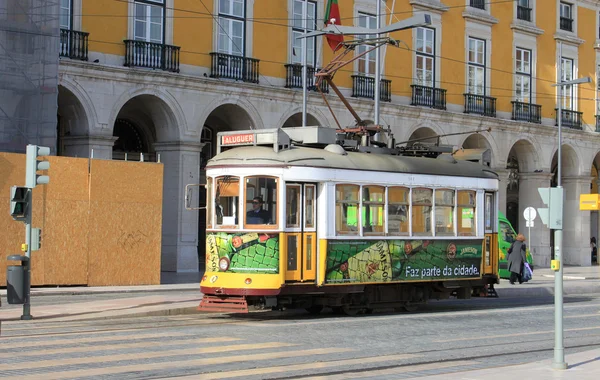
(444, 212)
(261, 200)
(422, 200)
(466, 213)
(209, 205)
(346, 209)
(373, 210)
(398, 203)
(292, 205)
(227, 194)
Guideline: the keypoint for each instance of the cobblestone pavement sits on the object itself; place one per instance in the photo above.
(450, 339)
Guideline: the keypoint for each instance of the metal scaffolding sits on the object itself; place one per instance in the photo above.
(29, 57)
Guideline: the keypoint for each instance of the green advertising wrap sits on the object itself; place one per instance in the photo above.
(247, 252)
(402, 260)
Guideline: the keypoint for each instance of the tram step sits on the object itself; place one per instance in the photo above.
(216, 304)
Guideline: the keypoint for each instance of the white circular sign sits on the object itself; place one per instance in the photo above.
(529, 213)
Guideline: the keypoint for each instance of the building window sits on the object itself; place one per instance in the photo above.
(567, 75)
(66, 14)
(298, 30)
(476, 67)
(524, 10)
(425, 57)
(232, 26)
(566, 17)
(149, 21)
(523, 75)
(479, 4)
(366, 63)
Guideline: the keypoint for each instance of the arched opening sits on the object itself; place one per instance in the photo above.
(594, 215)
(424, 135)
(143, 121)
(521, 159)
(296, 121)
(480, 147)
(71, 120)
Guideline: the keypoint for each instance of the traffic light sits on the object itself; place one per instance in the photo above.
(553, 215)
(19, 202)
(32, 165)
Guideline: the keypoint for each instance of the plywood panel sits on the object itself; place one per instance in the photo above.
(125, 223)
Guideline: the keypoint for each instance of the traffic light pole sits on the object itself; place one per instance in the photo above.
(28, 219)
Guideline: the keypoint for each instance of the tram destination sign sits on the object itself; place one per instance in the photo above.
(239, 139)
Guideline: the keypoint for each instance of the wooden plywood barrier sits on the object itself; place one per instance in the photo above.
(101, 221)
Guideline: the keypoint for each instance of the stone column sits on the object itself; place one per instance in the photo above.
(576, 223)
(503, 176)
(82, 146)
(179, 226)
(539, 245)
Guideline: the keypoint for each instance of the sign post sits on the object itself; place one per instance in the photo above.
(529, 214)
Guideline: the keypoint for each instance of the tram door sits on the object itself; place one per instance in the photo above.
(490, 243)
(300, 242)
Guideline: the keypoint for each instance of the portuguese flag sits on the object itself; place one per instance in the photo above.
(332, 11)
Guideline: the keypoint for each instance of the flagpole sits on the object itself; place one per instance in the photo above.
(377, 66)
(304, 54)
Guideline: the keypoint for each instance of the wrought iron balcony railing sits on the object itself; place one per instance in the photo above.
(481, 105)
(151, 55)
(74, 44)
(570, 119)
(293, 78)
(234, 67)
(428, 96)
(478, 4)
(531, 113)
(566, 24)
(523, 13)
(364, 87)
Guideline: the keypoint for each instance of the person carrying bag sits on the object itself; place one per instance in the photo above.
(517, 257)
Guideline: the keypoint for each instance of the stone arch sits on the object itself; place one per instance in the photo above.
(571, 162)
(482, 140)
(295, 120)
(423, 133)
(527, 156)
(240, 106)
(84, 99)
(160, 105)
(72, 119)
(318, 117)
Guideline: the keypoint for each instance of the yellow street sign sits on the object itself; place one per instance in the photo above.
(589, 202)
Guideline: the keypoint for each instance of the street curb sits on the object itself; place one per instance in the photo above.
(66, 292)
(541, 291)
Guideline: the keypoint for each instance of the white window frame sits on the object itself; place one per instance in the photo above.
(427, 32)
(149, 21)
(573, 7)
(371, 23)
(69, 11)
(224, 28)
(568, 102)
(167, 32)
(524, 73)
(476, 65)
(296, 44)
(531, 5)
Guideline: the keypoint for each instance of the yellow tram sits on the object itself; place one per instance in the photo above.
(313, 217)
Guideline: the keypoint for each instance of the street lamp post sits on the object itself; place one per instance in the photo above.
(559, 352)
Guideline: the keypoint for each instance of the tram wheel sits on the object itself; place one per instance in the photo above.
(315, 309)
(410, 307)
(350, 311)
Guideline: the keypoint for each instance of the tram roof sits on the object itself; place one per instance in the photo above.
(334, 159)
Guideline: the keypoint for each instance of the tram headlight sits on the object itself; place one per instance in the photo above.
(224, 263)
(248, 281)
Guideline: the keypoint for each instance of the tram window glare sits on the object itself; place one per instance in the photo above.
(466, 213)
(398, 204)
(422, 200)
(444, 212)
(226, 201)
(346, 209)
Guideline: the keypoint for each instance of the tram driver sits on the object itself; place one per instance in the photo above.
(258, 215)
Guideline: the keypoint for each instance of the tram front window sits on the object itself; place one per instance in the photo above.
(226, 200)
(261, 200)
(507, 233)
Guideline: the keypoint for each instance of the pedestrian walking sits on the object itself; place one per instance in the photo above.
(594, 250)
(516, 259)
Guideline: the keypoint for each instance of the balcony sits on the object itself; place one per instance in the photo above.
(229, 66)
(479, 4)
(293, 78)
(566, 24)
(151, 55)
(523, 13)
(364, 87)
(481, 105)
(74, 44)
(428, 96)
(570, 119)
(531, 113)
(597, 123)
